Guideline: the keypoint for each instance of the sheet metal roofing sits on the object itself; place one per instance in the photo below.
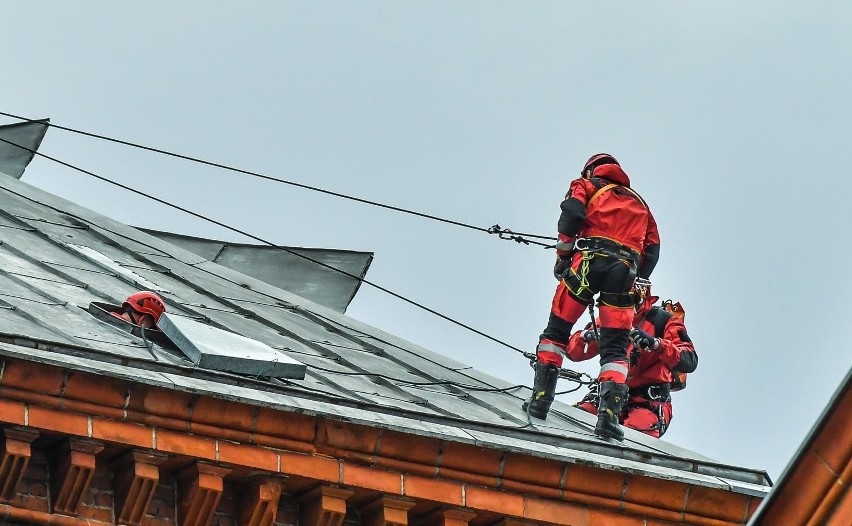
(285, 268)
(56, 258)
(14, 160)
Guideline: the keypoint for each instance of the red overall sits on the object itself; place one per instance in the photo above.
(617, 240)
(649, 407)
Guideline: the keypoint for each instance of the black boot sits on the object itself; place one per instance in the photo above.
(544, 389)
(613, 396)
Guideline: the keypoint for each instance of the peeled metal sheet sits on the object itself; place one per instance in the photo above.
(285, 269)
(213, 348)
(14, 160)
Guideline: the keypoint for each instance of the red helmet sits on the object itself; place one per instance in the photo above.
(599, 159)
(146, 303)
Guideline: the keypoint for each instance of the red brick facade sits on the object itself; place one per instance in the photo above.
(99, 450)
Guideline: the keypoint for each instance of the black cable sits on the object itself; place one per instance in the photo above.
(269, 243)
(503, 233)
(444, 383)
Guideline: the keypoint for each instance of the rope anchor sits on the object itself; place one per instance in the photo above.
(507, 234)
(566, 374)
(504, 233)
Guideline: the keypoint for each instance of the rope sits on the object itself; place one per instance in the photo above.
(519, 237)
(269, 243)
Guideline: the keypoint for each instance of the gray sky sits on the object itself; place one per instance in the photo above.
(732, 119)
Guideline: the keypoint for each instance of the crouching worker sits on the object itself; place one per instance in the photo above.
(660, 354)
(142, 308)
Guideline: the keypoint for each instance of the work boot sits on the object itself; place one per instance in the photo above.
(544, 389)
(612, 398)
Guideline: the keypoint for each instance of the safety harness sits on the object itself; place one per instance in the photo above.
(577, 281)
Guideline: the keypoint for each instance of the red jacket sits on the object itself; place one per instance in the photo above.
(619, 214)
(647, 367)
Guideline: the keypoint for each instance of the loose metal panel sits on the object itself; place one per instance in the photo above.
(220, 350)
(28, 135)
(290, 269)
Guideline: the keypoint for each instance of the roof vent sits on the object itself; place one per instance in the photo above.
(221, 350)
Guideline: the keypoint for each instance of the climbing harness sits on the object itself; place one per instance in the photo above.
(657, 392)
(583, 275)
(607, 247)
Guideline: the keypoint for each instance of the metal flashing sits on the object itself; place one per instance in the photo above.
(290, 269)
(213, 348)
(14, 160)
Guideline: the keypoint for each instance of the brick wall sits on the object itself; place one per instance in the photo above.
(98, 503)
(161, 511)
(288, 511)
(33, 490)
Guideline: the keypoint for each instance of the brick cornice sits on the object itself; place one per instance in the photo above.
(448, 473)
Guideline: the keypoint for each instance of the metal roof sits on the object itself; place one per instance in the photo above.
(56, 258)
(14, 160)
(285, 269)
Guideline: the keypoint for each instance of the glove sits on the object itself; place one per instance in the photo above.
(644, 341)
(562, 264)
(589, 335)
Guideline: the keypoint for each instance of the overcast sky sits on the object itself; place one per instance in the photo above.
(732, 119)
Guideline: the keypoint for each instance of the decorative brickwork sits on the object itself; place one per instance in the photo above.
(330, 472)
(448, 517)
(14, 457)
(200, 487)
(258, 501)
(71, 473)
(324, 506)
(387, 511)
(32, 490)
(137, 474)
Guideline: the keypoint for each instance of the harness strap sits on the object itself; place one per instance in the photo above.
(599, 192)
(607, 247)
(611, 186)
(655, 392)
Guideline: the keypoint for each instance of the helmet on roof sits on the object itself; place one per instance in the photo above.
(599, 159)
(146, 302)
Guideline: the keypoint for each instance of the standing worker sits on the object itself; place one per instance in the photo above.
(607, 237)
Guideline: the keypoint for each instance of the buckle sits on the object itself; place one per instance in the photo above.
(578, 244)
(657, 392)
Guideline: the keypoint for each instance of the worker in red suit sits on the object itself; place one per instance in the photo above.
(661, 354)
(607, 236)
(142, 308)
